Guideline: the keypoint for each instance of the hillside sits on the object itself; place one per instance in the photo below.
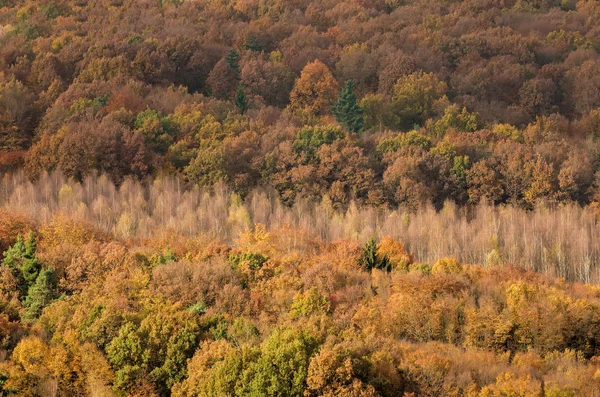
(300, 198)
(383, 102)
(281, 313)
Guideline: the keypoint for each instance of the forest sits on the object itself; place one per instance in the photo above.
(378, 102)
(300, 198)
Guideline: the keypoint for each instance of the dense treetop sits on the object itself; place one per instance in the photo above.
(449, 100)
(299, 256)
(280, 313)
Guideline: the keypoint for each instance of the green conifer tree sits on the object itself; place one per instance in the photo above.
(30, 268)
(22, 259)
(347, 110)
(232, 59)
(13, 257)
(370, 259)
(30, 246)
(40, 294)
(241, 101)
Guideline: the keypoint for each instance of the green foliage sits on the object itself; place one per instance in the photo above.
(282, 367)
(424, 268)
(347, 111)
(309, 303)
(159, 346)
(251, 260)
(241, 102)
(22, 259)
(164, 258)
(40, 294)
(310, 139)
(14, 256)
(220, 330)
(397, 142)
(415, 97)
(198, 308)
(459, 170)
(232, 59)
(242, 331)
(50, 11)
(207, 168)
(462, 121)
(157, 131)
(370, 259)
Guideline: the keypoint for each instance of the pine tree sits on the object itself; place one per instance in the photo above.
(347, 111)
(22, 259)
(30, 270)
(370, 259)
(30, 246)
(232, 58)
(40, 294)
(31, 266)
(13, 256)
(241, 101)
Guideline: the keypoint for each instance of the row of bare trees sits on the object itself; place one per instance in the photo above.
(562, 241)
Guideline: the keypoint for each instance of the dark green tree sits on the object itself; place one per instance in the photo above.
(232, 59)
(13, 257)
(347, 111)
(31, 267)
(241, 101)
(40, 294)
(21, 258)
(370, 259)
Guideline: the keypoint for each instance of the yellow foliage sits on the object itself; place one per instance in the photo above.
(64, 230)
(508, 384)
(446, 266)
(395, 252)
(256, 239)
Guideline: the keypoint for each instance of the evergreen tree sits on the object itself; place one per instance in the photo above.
(22, 259)
(370, 259)
(241, 101)
(40, 294)
(30, 246)
(232, 59)
(13, 257)
(347, 111)
(30, 270)
(30, 267)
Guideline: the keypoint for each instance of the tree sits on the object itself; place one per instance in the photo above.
(371, 259)
(347, 111)
(21, 258)
(282, 367)
(453, 118)
(232, 59)
(157, 132)
(13, 257)
(334, 373)
(40, 294)
(310, 139)
(415, 97)
(223, 80)
(241, 101)
(30, 267)
(272, 80)
(315, 91)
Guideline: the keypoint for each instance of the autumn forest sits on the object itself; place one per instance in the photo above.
(300, 198)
